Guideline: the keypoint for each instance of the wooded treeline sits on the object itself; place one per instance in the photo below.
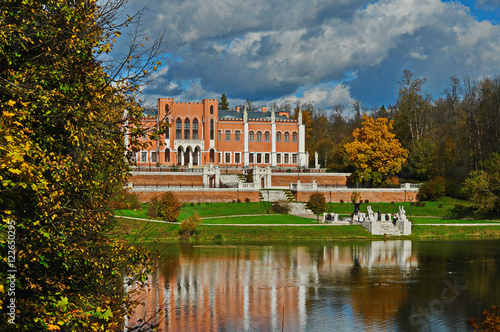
(448, 137)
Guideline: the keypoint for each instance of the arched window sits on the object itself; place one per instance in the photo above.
(294, 137)
(167, 155)
(195, 128)
(278, 137)
(250, 136)
(287, 137)
(178, 128)
(166, 109)
(212, 129)
(211, 109)
(266, 136)
(187, 127)
(167, 132)
(259, 136)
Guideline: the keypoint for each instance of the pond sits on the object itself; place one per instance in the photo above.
(322, 286)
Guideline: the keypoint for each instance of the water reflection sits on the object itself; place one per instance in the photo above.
(260, 288)
(345, 286)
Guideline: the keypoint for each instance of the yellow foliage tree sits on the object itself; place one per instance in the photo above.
(375, 151)
(62, 159)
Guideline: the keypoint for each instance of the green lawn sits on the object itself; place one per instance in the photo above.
(269, 219)
(430, 220)
(444, 211)
(205, 210)
(450, 208)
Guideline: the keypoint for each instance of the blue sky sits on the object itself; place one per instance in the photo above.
(323, 51)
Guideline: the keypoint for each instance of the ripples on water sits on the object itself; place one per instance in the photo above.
(369, 286)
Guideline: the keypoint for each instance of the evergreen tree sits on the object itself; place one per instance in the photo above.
(223, 103)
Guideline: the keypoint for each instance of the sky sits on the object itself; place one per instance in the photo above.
(321, 51)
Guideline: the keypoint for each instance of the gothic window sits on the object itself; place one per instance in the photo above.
(195, 128)
(250, 136)
(278, 137)
(287, 137)
(266, 136)
(187, 129)
(294, 137)
(212, 129)
(178, 128)
(259, 136)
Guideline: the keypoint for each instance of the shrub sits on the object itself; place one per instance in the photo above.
(125, 200)
(247, 200)
(281, 207)
(440, 206)
(192, 204)
(199, 203)
(489, 322)
(206, 203)
(367, 201)
(188, 226)
(342, 201)
(355, 196)
(239, 200)
(431, 191)
(167, 207)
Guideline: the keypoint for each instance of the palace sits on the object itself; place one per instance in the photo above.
(201, 134)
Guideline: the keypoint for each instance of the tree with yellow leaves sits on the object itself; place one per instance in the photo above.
(375, 151)
(64, 113)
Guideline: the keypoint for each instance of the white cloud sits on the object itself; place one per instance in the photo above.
(269, 50)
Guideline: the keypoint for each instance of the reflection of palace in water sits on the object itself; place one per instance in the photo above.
(253, 288)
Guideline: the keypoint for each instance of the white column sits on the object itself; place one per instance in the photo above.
(302, 145)
(273, 144)
(245, 144)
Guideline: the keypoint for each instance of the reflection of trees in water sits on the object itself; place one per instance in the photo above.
(372, 278)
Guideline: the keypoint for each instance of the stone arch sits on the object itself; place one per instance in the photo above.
(180, 155)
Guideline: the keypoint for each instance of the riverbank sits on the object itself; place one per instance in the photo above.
(251, 221)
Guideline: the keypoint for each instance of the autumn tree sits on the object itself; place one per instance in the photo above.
(317, 204)
(375, 151)
(223, 103)
(62, 158)
(413, 118)
(482, 187)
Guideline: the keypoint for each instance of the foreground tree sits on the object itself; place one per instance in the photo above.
(62, 127)
(375, 151)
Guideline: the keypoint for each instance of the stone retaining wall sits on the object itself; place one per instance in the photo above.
(371, 194)
(201, 195)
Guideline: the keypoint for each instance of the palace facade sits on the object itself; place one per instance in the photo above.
(201, 134)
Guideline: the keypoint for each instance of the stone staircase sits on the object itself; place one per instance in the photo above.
(300, 209)
(273, 195)
(289, 195)
(388, 228)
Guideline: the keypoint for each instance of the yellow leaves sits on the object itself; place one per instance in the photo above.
(11, 103)
(52, 327)
(375, 149)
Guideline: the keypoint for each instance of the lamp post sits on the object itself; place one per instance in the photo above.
(268, 202)
(330, 210)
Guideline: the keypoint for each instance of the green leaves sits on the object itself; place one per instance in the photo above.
(61, 160)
